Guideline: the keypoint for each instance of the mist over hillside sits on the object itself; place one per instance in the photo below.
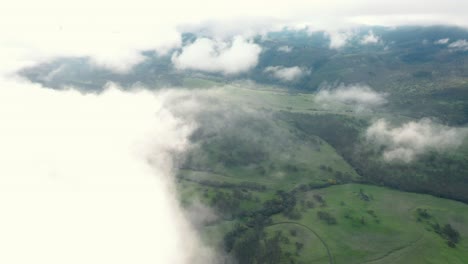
(422, 69)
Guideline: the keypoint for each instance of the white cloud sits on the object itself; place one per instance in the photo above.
(112, 34)
(360, 96)
(286, 74)
(370, 38)
(459, 45)
(442, 41)
(218, 56)
(339, 38)
(88, 178)
(285, 49)
(414, 138)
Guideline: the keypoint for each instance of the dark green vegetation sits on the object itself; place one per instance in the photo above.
(344, 227)
(294, 182)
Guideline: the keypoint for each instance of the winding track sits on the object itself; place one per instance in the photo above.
(395, 251)
(330, 256)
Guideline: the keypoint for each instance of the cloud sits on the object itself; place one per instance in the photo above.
(414, 138)
(442, 41)
(286, 74)
(360, 96)
(111, 34)
(339, 38)
(370, 38)
(459, 45)
(218, 56)
(285, 49)
(88, 178)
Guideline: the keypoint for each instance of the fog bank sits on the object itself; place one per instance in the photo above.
(87, 178)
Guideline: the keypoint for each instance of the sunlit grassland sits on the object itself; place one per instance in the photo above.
(385, 229)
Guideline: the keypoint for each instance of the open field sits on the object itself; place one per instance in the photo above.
(386, 229)
(383, 229)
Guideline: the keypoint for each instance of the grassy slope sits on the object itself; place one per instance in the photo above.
(306, 155)
(307, 158)
(393, 236)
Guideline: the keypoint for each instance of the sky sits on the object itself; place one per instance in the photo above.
(88, 178)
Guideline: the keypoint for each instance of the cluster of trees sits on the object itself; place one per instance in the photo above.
(226, 204)
(311, 186)
(257, 247)
(423, 214)
(319, 198)
(327, 217)
(449, 233)
(363, 196)
(248, 243)
(236, 150)
(307, 204)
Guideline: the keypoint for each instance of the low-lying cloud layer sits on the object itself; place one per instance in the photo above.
(286, 74)
(341, 37)
(360, 96)
(442, 41)
(406, 142)
(459, 45)
(113, 34)
(370, 38)
(218, 56)
(88, 178)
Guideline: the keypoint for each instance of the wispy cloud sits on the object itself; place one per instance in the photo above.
(359, 96)
(461, 44)
(406, 142)
(370, 38)
(285, 49)
(287, 74)
(442, 41)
